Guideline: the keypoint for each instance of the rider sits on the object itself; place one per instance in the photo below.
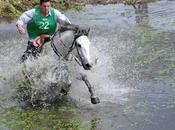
(41, 25)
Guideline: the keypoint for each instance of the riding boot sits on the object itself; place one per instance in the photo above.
(32, 51)
(25, 56)
(29, 51)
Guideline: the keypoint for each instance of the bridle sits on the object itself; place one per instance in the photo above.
(77, 33)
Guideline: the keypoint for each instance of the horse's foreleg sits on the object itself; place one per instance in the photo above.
(94, 99)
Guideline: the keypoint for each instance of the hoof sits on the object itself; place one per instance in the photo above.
(95, 100)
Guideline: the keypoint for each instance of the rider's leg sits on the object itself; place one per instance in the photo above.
(30, 49)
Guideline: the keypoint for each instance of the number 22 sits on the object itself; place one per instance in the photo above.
(44, 25)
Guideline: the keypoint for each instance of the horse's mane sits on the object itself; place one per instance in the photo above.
(69, 27)
(77, 29)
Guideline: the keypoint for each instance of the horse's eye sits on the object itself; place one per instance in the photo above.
(79, 45)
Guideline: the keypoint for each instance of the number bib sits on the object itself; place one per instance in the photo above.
(42, 24)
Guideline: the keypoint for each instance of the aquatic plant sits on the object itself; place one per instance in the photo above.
(64, 118)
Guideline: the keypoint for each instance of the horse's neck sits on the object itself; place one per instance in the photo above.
(67, 37)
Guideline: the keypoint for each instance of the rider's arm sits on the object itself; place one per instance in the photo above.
(24, 19)
(61, 18)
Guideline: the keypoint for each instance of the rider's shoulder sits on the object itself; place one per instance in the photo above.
(30, 12)
(56, 11)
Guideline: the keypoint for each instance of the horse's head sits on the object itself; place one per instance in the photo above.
(82, 45)
(72, 36)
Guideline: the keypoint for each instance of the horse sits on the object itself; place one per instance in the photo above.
(47, 87)
(74, 38)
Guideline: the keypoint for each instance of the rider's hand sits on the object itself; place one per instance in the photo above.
(51, 37)
(20, 29)
(43, 38)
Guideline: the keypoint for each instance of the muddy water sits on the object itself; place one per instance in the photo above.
(133, 52)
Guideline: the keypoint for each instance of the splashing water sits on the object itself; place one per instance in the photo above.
(40, 71)
(133, 66)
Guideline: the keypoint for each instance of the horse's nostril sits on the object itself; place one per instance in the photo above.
(88, 65)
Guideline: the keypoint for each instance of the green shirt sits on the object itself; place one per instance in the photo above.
(42, 24)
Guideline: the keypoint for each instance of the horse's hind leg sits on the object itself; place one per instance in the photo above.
(94, 99)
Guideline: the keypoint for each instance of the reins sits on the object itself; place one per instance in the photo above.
(53, 46)
(71, 48)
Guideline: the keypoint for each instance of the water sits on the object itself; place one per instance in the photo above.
(133, 74)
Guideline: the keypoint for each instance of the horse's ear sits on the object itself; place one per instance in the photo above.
(87, 31)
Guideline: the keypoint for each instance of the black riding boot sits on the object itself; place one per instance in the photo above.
(30, 51)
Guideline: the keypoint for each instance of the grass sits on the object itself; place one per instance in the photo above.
(62, 118)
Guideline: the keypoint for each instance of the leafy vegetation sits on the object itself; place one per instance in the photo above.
(63, 118)
(11, 9)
